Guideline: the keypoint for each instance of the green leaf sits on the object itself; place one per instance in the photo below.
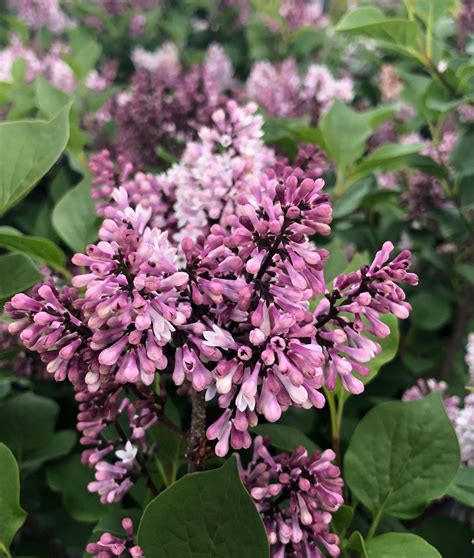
(386, 157)
(49, 99)
(356, 542)
(338, 260)
(375, 116)
(400, 545)
(29, 150)
(12, 515)
(430, 310)
(389, 347)
(461, 154)
(401, 456)
(284, 437)
(34, 246)
(345, 133)
(466, 271)
(74, 217)
(462, 487)
(433, 9)
(342, 518)
(85, 52)
(27, 422)
(61, 444)
(372, 22)
(70, 478)
(204, 514)
(18, 274)
(351, 198)
(170, 452)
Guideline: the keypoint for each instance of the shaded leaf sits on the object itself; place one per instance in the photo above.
(284, 437)
(204, 514)
(401, 456)
(12, 515)
(74, 217)
(400, 545)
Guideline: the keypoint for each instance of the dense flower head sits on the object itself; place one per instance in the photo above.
(170, 101)
(225, 307)
(228, 159)
(50, 64)
(295, 495)
(281, 91)
(110, 545)
(42, 13)
(116, 460)
(127, 314)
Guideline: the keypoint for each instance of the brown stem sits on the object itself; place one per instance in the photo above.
(196, 450)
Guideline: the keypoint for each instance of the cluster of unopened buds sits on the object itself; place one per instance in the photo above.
(223, 306)
(110, 545)
(295, 495)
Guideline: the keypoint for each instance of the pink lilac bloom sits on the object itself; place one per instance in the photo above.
(164, 59)
(42, 13)
(50, 65)
(465, 20)
(295, 495)
(469, 358)
(281, 91)
(229, 159)
(117, 460)
(303, 13)
(171, 106)
(228, 310)
(110, 545)
(466, 113)
(117, 329)
(424, 192)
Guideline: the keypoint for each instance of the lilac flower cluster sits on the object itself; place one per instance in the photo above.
(281, 91)
(117, 461)
(110, 545)
(42, 13)
(292, 14)
(170, 101)
(465, 21)
(295, 496)
(228, 159)
(227, 311)
(51, 66)
(462, 417)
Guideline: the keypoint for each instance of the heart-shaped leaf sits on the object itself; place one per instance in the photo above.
(204, 514)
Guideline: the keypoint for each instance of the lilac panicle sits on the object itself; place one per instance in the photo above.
(310, 485)
(224, 306)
